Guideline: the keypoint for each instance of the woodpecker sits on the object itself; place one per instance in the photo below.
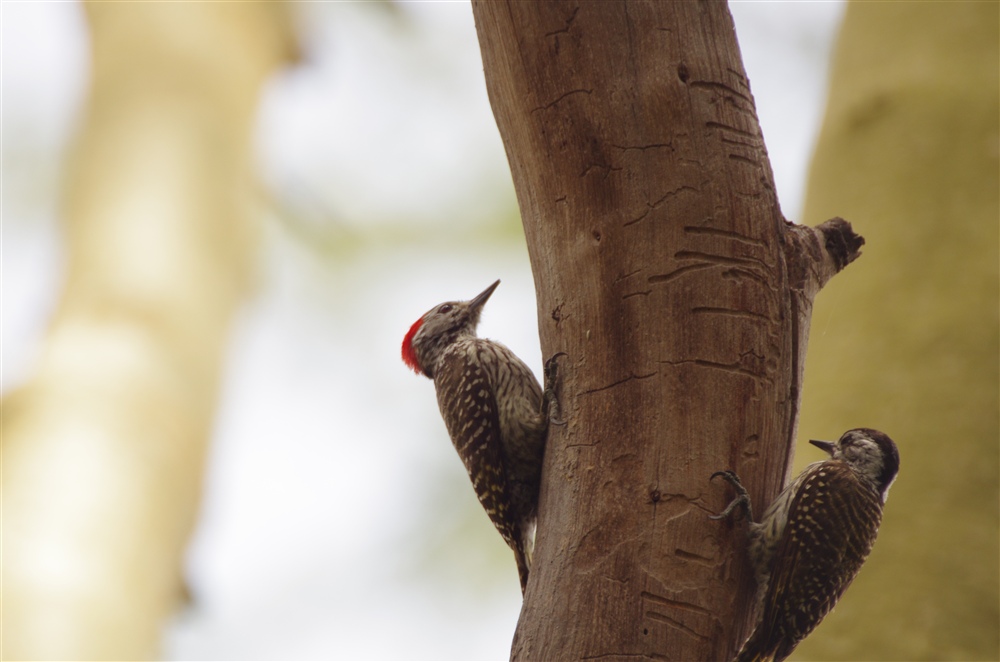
(813, 538)
(496, 413)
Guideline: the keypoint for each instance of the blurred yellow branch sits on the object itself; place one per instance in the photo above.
(103, 448)
(906, 341)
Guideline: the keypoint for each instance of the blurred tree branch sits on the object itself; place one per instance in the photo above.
(909, 147)
(103, 448)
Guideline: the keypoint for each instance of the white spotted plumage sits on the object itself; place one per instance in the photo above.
(814, 537)
(495, 412)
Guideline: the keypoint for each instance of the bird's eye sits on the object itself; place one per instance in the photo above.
(445, 308)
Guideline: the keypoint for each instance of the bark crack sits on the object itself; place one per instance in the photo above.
(731, 312)
(560, 98)
(731, 97)
(565, 28)
(733, 368)
(725, 234)
(676, 604)
(677, 625)
(732, 129)
(677, 273)
(650, 206)
(616, 383)
(723, 259)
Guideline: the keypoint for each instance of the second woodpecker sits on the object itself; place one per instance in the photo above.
(496, 413)
(814, 538)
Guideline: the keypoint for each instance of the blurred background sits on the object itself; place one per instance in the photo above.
(256, 206)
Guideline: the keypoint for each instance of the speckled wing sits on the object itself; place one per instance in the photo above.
(469, 409)
(832, 525)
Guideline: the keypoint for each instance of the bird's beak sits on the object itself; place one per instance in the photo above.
(827, 446)
(480, 299)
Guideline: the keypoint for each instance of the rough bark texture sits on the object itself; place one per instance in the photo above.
(666, 272)
(103, 448)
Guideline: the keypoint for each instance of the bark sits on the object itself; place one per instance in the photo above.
(103, 448)
(665, 270)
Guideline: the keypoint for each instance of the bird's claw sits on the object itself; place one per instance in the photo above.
(552, 409)
(742, 496)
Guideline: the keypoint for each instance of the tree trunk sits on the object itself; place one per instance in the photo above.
(103, 448)
(665, 270)
(909, 147)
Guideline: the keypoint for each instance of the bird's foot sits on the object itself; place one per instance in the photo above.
(552, 409)
(742, 499)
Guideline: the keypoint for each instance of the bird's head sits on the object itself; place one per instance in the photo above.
(438, 328)
(870, 453)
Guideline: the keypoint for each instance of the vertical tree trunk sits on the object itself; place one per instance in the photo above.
(666, 272)
(103, 449)
(909, 147)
